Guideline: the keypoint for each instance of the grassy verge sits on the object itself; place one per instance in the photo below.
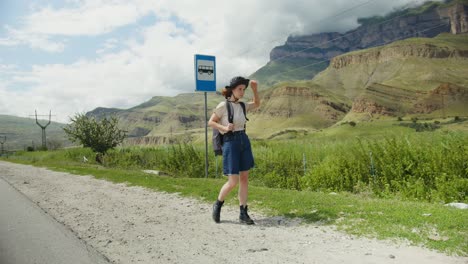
(431, 225)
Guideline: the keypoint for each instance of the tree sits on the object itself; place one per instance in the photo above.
(100, 136)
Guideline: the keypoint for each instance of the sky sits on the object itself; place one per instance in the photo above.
(71, 56)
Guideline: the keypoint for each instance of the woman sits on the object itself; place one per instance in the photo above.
(237, 152)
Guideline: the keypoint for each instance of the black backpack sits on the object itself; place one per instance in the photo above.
(217, 136)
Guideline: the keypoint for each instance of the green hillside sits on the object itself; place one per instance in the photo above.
(297, 105)
(414, 76)
(288, 69)
(164, 118)
(23, 132)
(402, 67)
(420, 77)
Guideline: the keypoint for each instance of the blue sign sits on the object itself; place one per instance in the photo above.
(205, 73)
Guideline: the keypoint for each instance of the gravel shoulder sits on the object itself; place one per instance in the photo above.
(137, 225)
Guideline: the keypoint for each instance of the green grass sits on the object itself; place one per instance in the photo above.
(361, 214)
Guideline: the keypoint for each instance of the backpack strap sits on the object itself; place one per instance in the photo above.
(230, 111)
(243, 109)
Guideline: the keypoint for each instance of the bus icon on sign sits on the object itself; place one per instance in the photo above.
(205, 72)
(205, 69)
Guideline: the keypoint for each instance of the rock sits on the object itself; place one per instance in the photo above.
(155, 172)
(437, 237)
(458, 205)
(391, 256)
(257, 250)
(139, 132)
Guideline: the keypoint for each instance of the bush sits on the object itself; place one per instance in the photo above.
(412, 167)
(100, 136)
(54, 144)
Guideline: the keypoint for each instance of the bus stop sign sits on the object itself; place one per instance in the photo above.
(205, 73)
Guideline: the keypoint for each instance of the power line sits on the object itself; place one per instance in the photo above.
(343, 36)
(340, 37)
(319, 21)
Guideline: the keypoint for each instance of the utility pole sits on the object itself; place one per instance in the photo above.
(43, 127)
(2, 141)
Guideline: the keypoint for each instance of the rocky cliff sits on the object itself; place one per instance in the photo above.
(458, 16)
(433, 20)
(393, 101)
(399, 51)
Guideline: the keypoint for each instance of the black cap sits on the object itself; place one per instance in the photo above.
(238, 81)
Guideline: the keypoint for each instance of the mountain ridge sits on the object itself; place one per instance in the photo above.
(315, 50)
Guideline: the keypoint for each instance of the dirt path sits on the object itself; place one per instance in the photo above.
(136, 225)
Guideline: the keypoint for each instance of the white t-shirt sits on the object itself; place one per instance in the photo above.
(239, 118)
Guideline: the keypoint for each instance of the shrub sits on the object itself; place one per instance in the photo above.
(100, 136)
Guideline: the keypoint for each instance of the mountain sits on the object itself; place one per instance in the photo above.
(405, 77)
(313, 52)
(24, 132)
(162, 119)
(424, 77)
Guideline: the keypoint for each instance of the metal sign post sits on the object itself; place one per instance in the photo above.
(205, 81)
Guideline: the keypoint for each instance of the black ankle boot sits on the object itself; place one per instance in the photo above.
(244, 216)
(217, 211)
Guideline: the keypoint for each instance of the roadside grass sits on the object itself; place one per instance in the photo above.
(431, 225)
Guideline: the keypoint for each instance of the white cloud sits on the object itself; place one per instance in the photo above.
(84, 18)
(90, 18)
(33, 40)
(239, 33)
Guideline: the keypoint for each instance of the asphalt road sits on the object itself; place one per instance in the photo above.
(29, 235)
